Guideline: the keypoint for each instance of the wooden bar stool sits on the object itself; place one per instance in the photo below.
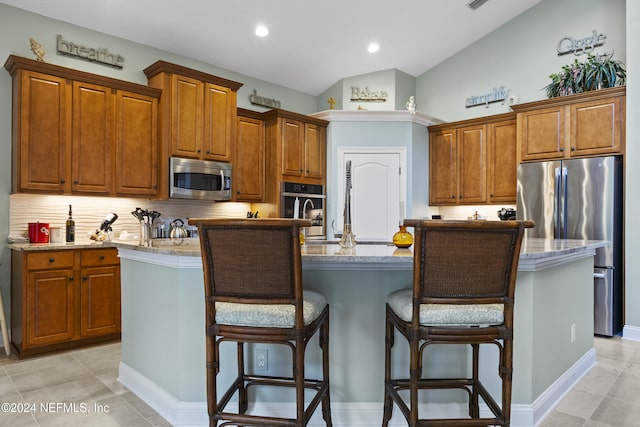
(253, 291)
(464, 276)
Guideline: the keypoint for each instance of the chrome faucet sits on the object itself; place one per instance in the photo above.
(304, 207)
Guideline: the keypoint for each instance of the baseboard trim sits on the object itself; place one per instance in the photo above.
(351, 414)
(631, 333)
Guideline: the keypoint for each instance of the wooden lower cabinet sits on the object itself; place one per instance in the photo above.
(64, 298)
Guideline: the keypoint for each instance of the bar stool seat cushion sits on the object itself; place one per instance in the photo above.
(401, 302)
(270, 315)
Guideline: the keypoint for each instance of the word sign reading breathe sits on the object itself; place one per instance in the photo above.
(99, 55)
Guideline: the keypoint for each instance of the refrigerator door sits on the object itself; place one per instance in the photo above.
(592, 203)
(537, 200)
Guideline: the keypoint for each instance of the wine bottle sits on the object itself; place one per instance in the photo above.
(71, 227)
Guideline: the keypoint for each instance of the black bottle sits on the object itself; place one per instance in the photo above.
(71, 228)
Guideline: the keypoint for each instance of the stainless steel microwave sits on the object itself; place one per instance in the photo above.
(199, 179)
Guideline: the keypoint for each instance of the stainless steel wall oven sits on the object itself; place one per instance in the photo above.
(311, 205)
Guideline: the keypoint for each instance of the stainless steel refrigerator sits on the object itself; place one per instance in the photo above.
(581, 199)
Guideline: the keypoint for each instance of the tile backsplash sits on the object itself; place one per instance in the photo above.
(489, 212)
(88, 212)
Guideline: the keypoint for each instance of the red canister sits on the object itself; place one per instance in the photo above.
(39, 232)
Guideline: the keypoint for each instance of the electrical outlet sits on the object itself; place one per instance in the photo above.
(261, 360)
(573, 332)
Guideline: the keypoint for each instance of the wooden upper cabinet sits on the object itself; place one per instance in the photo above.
(292, 147)
(68, 127)
(472, 165)
(542, 133)
(136, 148)
(473, 161)
(502, 161)
(315, 150)
(186, 116)
(582, 125)
(249, 160)
(219, 121)
(298, 146)
(443, 179)
(596, 127)
(41, 121)
(93, 137)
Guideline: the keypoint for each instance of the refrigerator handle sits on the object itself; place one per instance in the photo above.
(564, 214)
(556, 204)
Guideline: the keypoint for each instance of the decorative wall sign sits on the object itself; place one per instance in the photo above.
(580, 46)
(367, 95)
(99, 55)
(262, 101)
(496, 95)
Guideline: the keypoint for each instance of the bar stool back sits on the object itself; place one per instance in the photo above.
(464, 276)
(253, 291)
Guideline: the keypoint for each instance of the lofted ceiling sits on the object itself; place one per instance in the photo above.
(311, 45)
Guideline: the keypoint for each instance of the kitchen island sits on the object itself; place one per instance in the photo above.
(163, 341)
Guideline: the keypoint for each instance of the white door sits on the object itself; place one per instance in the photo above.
(377, 198)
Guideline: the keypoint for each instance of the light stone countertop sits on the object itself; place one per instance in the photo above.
(78, 244)
(535, 254)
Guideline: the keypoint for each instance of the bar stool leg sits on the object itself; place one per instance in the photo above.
(388, 344)
(3, 326)
(324, 345)
(243, 400)
(474, 408)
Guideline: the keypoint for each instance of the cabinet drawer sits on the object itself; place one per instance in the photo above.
(50, 260)
(97, 257)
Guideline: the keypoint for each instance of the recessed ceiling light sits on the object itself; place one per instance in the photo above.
(373, 48)
(262, 31)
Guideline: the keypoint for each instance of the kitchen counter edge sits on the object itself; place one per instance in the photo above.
(536, 254)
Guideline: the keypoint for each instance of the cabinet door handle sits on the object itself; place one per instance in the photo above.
(101, 257)
(453, 196)
(71, 278)
(208, 152)
(52, 260)
(75, 182)
(62, 181)
(561, 149)
(490, 195)
(198, 150)
(573, 148)
(85, 278)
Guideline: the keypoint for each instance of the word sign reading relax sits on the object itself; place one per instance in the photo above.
(100, 55)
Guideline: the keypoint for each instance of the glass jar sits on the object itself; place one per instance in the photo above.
(402, 238)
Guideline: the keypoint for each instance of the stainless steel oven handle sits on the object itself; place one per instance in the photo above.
(308, 196)
(599, 275)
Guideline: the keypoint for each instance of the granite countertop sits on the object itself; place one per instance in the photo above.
(78, 244)
(536, 253)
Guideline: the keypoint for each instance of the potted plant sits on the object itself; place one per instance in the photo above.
(597, 72)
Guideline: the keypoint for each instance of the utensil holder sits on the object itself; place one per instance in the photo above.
(145, 234)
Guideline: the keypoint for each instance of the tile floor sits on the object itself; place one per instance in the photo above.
(85, 377)
(86, 381)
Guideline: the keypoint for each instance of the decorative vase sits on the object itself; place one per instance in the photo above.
(402, 238)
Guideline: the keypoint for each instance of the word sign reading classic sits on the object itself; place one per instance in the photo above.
(100, 55)
(580, 46)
